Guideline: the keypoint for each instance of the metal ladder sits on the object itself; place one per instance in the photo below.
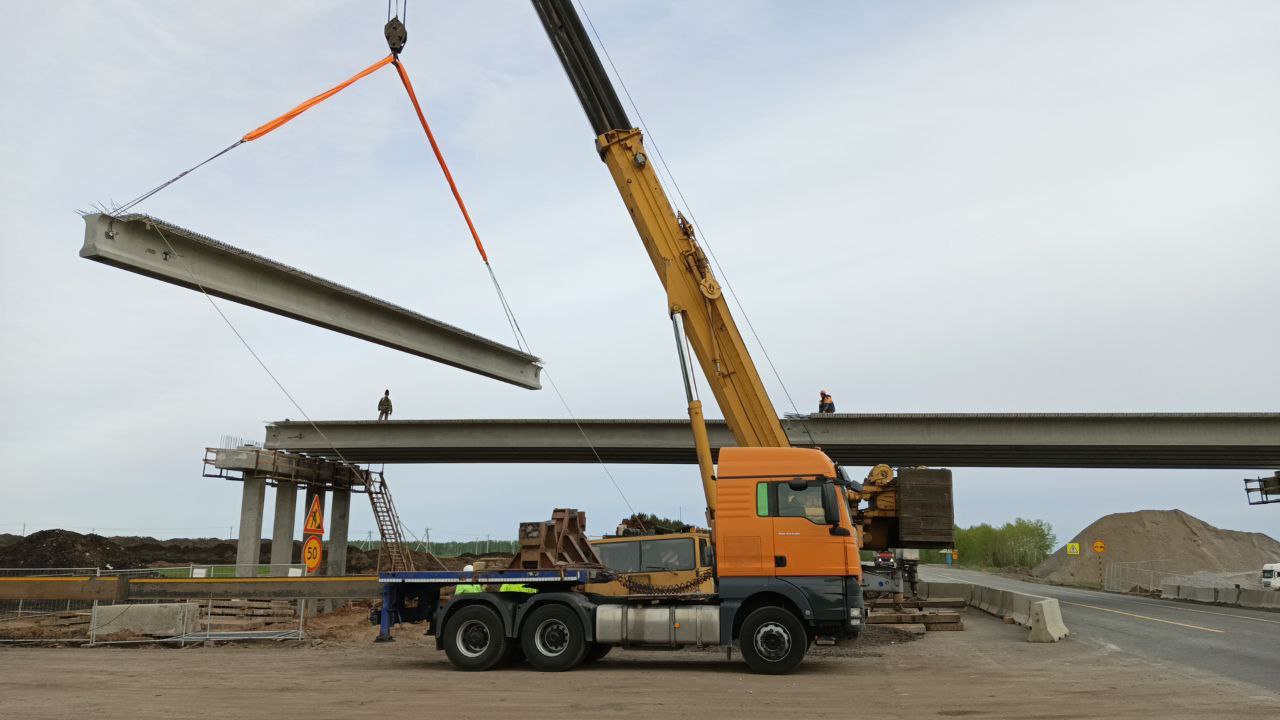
(393, 555)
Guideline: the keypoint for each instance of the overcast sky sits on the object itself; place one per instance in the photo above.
(950, 207)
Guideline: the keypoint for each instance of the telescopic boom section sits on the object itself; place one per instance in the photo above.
(682, 266)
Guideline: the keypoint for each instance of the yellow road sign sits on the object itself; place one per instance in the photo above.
(312, 551)
(1099, 546)
(315, 518)
(1073, 548)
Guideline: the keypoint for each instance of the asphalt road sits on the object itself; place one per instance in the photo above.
(1237, 643)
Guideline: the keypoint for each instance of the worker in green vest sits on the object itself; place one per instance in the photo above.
(467, 588)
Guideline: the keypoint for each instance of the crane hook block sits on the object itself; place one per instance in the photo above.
(396, 34)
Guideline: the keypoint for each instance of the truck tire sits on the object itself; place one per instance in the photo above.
(595, 652)
(474, 638)
(773, 641)
(553, 638)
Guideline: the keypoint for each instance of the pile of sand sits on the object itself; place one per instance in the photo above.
(1169, 541)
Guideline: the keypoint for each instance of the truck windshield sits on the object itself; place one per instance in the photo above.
(1268, 574)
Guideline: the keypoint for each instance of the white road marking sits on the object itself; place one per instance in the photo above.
(1143, 617)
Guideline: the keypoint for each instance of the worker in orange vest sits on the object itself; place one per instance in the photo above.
(825, 403)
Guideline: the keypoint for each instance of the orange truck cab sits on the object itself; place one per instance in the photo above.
(783, 536)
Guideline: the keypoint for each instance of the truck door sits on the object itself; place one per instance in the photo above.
(802, 541)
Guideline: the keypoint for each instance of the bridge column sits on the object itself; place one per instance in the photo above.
(249, 546)
(282, 530)
(339, 525)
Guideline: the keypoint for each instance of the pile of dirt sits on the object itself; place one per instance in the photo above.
(1168, 541)
(66, 549)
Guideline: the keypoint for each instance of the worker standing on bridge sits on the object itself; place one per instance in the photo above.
(825, 402)
(384, 406)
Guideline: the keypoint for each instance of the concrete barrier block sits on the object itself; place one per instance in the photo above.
(1200, 594)
(1046, 622)
(946, 590)
(161, 620)
(1269, 599)
(1168, 591)
(1229, 596)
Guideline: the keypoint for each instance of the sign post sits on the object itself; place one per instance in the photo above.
(312, 536)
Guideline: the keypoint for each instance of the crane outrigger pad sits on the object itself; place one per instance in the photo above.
(157, 249)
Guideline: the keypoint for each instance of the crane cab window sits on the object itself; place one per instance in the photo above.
(620, 556)
(649, 555)
(676, 554)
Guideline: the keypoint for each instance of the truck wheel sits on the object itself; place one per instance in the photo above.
(474, 638)
(595, 652)
(773, 641)
(553, 638)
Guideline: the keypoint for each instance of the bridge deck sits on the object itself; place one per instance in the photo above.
(1065, 440)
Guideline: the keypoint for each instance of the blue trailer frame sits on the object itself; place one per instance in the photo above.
(429, 583)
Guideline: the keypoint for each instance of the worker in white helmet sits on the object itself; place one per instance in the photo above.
(469, 587)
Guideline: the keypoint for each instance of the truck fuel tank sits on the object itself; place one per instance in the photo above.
(670, 625)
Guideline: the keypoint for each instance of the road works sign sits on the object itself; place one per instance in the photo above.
(312, 551)
(1073, 548)
(1099, 546)
(315, 518)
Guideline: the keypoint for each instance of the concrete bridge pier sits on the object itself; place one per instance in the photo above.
(249, 547)
(282, 530)
(339, 528)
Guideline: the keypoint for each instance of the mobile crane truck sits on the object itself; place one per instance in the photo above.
(785, 522)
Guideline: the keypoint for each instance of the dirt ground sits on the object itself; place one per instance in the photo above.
(986, 671)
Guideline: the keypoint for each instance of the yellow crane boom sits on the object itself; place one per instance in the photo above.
(693, 294)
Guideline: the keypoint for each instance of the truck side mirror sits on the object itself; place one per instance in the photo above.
(830, 504)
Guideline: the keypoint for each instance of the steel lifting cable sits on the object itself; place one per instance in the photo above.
(694, 220)
(260, 131)
(502, 297)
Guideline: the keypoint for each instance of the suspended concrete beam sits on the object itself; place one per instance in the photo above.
(135, 243)
(1049, 440)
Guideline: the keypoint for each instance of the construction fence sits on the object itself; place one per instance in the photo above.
(187, 621)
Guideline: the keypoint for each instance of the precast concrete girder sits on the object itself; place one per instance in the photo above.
(135, 243)
(1049, 440)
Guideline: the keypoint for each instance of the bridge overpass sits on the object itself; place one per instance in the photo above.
(1049, 440)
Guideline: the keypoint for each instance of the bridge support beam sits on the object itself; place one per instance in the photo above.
(1049, 440)
(154, 248)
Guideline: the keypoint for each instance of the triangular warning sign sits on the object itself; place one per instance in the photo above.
(315, 518)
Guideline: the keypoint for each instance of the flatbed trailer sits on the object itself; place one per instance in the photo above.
(558, 626)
